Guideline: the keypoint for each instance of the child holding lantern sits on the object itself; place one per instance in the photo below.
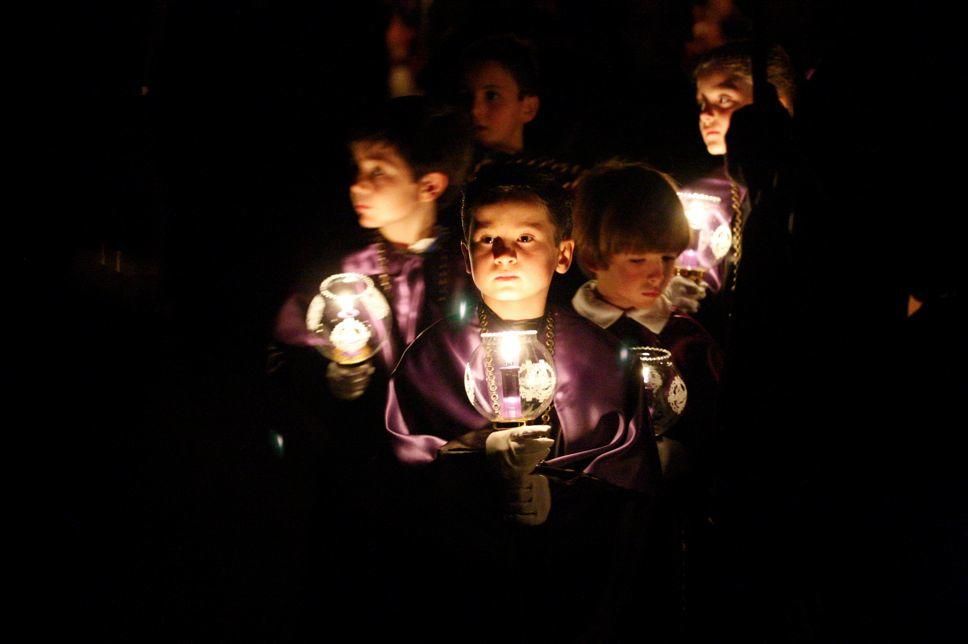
(507, 521)
(629, 229)
(410, 159)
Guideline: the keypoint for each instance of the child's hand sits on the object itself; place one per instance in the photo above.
(290, 327)
(515, 452)
(348, 383)
(684, 294)
(528, 500)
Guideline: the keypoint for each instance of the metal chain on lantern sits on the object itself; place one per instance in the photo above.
(489, 366)
(736, 231)
(381, 257)
(489, 361)
(550, 344)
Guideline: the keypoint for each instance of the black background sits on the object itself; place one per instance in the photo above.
(166, 512)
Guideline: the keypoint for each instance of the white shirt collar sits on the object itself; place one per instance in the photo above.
(589, 305)
(421, 245)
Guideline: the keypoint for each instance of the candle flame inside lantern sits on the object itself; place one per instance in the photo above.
(697, 215)
(510, 349)
(510, 376)
(345, 303)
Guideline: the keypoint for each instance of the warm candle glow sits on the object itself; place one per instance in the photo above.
(344, 314)
(510, 349)
(345, 303)
(510, 377)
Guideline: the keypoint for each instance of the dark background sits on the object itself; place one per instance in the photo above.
(201, 150)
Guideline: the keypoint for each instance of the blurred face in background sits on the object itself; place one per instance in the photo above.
(498, 108)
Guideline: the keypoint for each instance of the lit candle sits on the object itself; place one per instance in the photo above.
(649, 379)
(509, 348)
(510, 377)
(346, 308)
(649, 387)
(349, 337)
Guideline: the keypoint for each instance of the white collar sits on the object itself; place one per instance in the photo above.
(589, 305)
(421, 245)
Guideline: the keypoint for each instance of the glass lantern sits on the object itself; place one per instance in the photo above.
(349, 314)
(663, 391)
(710, 237)
(510, 377)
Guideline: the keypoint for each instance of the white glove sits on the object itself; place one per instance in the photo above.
(515, 452)
(528, 500)
(684, 294)
(348, 383)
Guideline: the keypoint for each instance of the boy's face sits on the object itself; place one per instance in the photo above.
(512, 256)
(385, 190)
(635, 280)
(719, 95)
(497, 107)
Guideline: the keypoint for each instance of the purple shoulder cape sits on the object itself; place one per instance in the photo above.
(427, 406)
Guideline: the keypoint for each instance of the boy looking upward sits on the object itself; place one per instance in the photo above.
(517, 226)
(517, 229)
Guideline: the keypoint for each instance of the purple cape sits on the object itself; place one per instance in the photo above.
(427, 406)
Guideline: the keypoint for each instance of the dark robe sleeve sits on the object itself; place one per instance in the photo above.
(427, 407)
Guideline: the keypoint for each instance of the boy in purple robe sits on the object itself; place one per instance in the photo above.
(724, 85)
(521, 512)
(629, 229)
(410, 160)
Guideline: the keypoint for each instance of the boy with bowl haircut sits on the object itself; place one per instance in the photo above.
(629, 229)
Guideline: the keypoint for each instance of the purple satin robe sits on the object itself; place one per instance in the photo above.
(416, 280)
(427, 406)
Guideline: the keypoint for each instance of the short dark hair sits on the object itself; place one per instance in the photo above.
(736, 59)
(513, 53)
(499, 182)
(626, 207)
(428, 137)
